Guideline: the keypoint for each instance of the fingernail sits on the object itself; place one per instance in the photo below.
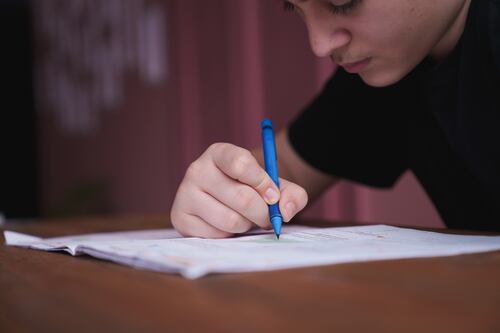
(290, 210)
(271, 196)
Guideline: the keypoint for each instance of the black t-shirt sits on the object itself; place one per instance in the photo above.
(441, 121)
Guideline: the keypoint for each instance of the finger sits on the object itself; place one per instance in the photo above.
(218, 215)
(293, 199)
(240, 165)
(237, 196)
(189, 225)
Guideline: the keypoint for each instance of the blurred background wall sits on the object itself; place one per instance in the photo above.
(129, 92)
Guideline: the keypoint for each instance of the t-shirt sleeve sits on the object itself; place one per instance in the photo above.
(354, 131)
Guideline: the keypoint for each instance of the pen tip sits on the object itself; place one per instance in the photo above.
(278, 236)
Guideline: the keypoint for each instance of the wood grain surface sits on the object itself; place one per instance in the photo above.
(54, 292)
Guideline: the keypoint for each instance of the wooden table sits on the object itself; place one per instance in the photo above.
(53, 292)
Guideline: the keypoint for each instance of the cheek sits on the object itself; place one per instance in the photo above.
(388, 32)
(390, 62)
(396, 34)
(391, 41)
(387, 69)
(395, 53)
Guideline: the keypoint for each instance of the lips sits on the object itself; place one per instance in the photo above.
(356, 67)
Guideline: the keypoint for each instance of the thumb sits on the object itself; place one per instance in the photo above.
(292, 200)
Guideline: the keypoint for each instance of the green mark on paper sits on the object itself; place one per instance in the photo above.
(272, 239)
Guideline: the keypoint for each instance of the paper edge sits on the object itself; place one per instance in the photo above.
(17, 238)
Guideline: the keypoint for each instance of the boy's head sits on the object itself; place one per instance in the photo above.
(382, 40)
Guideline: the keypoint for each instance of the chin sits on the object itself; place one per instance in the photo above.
(379, 79)
(382, 75)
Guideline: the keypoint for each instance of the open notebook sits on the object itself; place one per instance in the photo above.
(165, 251)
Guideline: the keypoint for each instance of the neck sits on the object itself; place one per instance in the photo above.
(450, 39)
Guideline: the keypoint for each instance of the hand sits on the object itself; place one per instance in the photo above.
(225, 191)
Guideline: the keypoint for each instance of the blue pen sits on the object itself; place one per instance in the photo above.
(271, 162)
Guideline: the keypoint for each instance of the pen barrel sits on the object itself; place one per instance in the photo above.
(270, 157)
(271, 164)
(274, 211)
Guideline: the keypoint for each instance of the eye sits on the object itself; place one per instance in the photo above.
(288, 6)
(343, 7)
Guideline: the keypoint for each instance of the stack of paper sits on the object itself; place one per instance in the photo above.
(165, 251)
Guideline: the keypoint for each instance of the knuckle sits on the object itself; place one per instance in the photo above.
(215, 146)
(194, 170)
(242, 163)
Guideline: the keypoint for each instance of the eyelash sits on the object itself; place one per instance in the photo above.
(341, 10)
(288, 6)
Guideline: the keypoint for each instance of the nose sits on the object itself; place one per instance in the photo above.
(325, 35)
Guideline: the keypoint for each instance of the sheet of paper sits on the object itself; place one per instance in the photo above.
(165, 251)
